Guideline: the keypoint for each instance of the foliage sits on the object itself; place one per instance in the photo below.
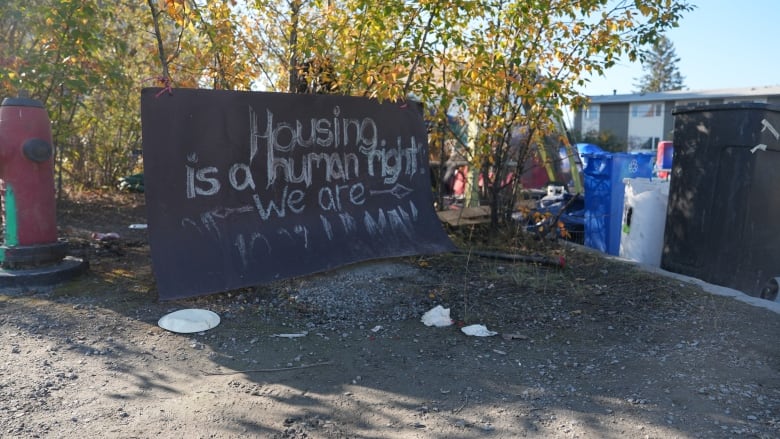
(519, 67)
(606, 139)
(661, 71)
(76, 59)
(493, 74)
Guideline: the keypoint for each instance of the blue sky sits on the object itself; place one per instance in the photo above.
(721, 44)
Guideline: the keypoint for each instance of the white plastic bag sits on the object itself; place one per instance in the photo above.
(478, 331)
(438, 316)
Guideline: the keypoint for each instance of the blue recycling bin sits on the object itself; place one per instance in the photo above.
(604, 190)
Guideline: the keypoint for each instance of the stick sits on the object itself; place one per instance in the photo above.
(279, 369)
(466, 401)
(544, 260)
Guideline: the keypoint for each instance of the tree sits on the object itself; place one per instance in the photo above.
(518, 66)
(505, 68)
(76, 59)
(660, 65)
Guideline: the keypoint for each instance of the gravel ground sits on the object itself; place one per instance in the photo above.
(599, 349)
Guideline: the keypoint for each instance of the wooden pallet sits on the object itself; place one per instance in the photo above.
(465, 216)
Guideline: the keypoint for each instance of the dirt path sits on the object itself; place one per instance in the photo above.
(598, 350)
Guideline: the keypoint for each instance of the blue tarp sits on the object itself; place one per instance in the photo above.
(572, 217)
(588, 148)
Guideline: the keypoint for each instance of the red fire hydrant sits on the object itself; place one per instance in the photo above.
(27, 187)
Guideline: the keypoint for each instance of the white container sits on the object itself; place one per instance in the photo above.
(644, 219)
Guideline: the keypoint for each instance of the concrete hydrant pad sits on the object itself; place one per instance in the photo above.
(67, 269)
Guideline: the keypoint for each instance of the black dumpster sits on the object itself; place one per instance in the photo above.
(723, 216)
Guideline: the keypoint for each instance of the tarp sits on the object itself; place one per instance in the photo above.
(244, 188)
(588, 148)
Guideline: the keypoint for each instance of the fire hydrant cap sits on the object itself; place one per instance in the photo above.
(37, 150)
(21, 102)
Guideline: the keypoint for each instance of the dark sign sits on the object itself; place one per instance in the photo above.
(244, 188)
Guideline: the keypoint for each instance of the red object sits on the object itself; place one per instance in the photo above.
(27, 173)
(534, 176)
(460, 181)
(663, 158)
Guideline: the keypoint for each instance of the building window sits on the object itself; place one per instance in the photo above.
(756, 100)
(643, 144)
(691, 103)
(591, 113)
(646, 110)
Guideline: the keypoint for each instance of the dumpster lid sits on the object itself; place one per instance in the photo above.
(697, 108)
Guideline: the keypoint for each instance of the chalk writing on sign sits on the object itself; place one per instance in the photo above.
(274, 148)
(279, 142)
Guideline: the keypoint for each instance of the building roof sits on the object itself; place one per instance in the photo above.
(686, 95)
